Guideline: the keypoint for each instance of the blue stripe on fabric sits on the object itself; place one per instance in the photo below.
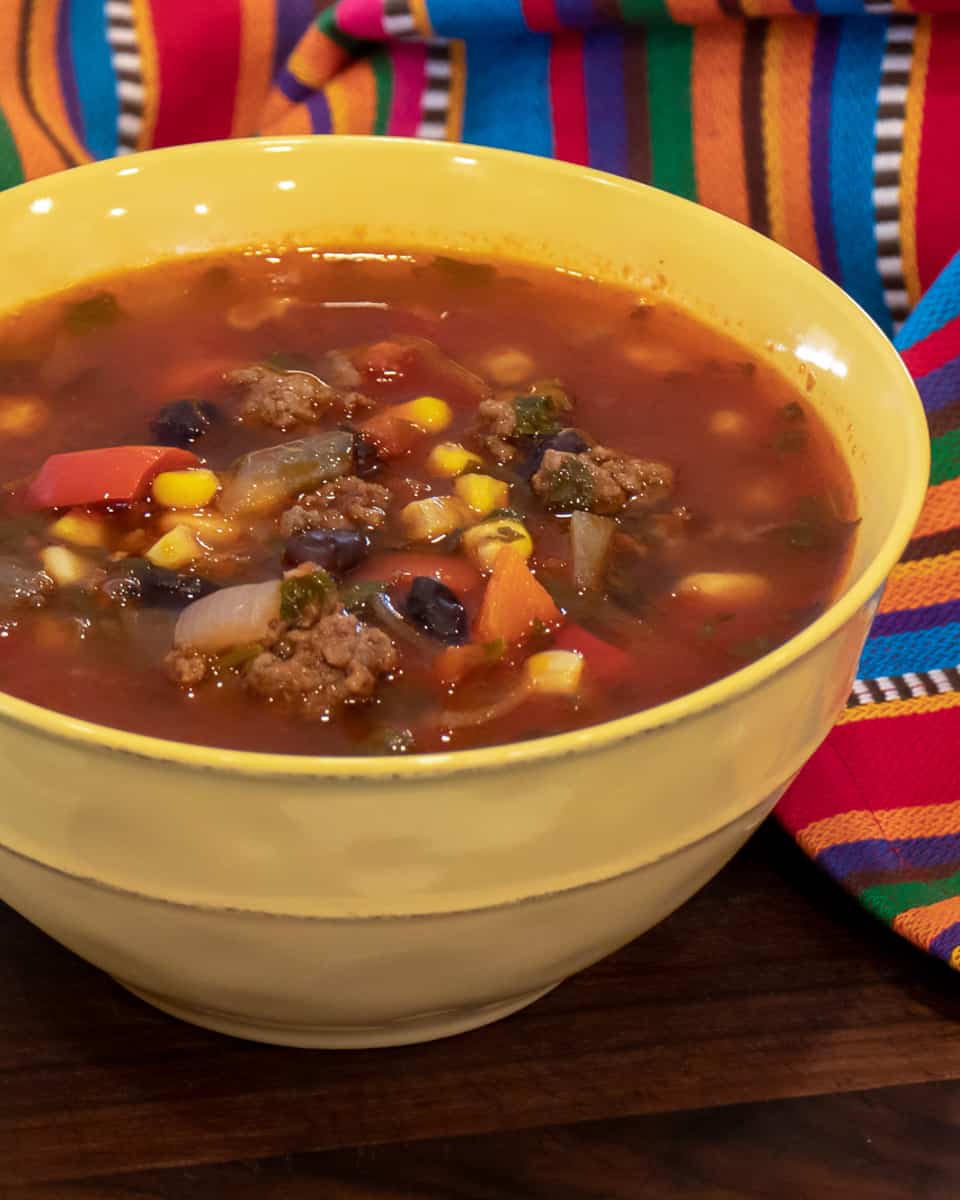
(922, 650)
(96, 83)
(480, 18)
(946, 941)
(294, 18)
(941, 387)
(508, 100)
(606, 102)
(574, 14)
(897, 854)
(938, 306)
(911, 619)
(852, 120)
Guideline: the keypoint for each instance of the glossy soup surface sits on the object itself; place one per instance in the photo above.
(729, 535)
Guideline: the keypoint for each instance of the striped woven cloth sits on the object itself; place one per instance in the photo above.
(830, 125)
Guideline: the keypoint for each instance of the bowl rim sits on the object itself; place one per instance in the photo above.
(588, 739)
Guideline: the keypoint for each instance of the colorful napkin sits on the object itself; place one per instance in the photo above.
(830, 125)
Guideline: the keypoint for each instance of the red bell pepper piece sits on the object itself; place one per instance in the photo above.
(605, 663)
(115, 474)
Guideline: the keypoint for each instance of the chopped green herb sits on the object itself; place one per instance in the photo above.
(494, 651)
(640, 311)
(356, 597)
(793, 411)
(815, 527)
(709, 628)
(790, 441)
(239, 656)
(96, 312)
(536, 414)
(300, 592)
(284, 360)
(570, 486)
(464, 273)
(503, 514)
(391, 741)
(755, 647)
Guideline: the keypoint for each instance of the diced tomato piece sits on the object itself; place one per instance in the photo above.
(453, 663)
(116, 473)
(386, 361)
(605, 663)
(390, 434)
(402, 568)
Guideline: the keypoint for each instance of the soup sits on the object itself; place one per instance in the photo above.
(323, 502)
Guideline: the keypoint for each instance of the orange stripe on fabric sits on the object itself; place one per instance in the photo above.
(922, 582)
(856, 826)
(45, 81)
(899, 708)
(941, 510)
(418, 10)
(910, 168)
(927, 820)
(289, 122)
(316, 58)
(258, 32)
(38, 155)
(352, 97)
(767, 8)
(789, 178)
(921, 925)
(149, 71)
(694, 12)
(716, 104)
(771, 84)
(458, 91)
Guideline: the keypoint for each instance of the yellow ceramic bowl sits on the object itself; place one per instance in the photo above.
(349, 902)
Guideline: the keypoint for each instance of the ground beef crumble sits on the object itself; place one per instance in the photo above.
(616, 481)
(496, 422)
(338, 659)
(345, 503)
(283, 399)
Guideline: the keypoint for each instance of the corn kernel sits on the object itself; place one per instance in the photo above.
(22, 415)
(482, 493)
(725, 587)
(432, 517)
(64, 566)
(429, 413)
(554, 672)
(508, 367)
(727, 422)
(449, 459)
(175, 550)
(212, 528)
(80, 529)
(484, 542)
(185, 489)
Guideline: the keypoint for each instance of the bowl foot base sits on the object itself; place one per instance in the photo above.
(426, 1028)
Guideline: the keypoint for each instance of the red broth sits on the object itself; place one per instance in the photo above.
(724, 510)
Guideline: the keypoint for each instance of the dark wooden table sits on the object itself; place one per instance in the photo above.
(769, 1040)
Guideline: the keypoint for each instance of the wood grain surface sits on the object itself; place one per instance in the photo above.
(769, 987)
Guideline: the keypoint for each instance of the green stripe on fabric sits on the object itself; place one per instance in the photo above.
(327, 24)
(643, 12)
(669, 59)
(887, 901)
(383, 77)
(945, 457)
(11, 169)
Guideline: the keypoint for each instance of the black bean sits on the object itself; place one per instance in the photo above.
(134, 580)
(336, 550)
(183, 422)
(568, 440)
(367, 460)
(435, 609)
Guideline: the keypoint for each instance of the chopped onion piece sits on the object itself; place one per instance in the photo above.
(234, 616)
(452, 719)
(590, 538)
(264, 479)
